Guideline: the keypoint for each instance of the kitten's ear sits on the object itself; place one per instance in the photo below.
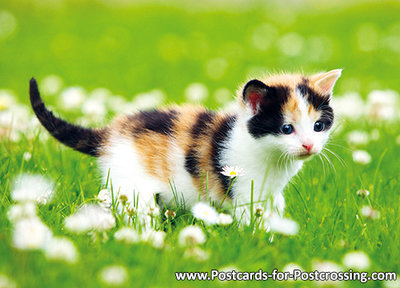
(253, 92)
(325, 82)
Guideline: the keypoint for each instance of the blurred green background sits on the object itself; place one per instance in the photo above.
(131, 47)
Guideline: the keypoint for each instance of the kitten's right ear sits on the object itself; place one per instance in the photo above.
(253, 92)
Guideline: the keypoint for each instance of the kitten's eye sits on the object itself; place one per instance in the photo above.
(287, 129)
(319, 126)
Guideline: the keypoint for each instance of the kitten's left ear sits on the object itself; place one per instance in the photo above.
(253, 92)
(325, 82)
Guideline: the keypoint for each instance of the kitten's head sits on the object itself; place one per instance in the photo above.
(290, 113)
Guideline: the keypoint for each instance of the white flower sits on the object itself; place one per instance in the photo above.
(204, 212)
(232, 172)
(191, 236)
(30, 233)
(127, 235)
(51, 84)
(21, 211)
(357, 260)
(350, 105)
(73, 97)
(369, 212)
(170, 214)
(382, 104)
(149, 99)
(90, 217)
(117, 104)
(6, 282)
(32, 188)
(290, 267)
(223, 95)
(100, 94)
(7, 99)
(104, 198)
(94, 108)
(154, 211)
(196, 92)
(277, 224)
(291, 44)
(196, 253)
(224, 219)
(154, 238)
(8, 24)
(62, 249)
(392, 284)
(327, 266)
(27, 156)
(363, 193)
(358, 137)
(361, 157)
(114, 275)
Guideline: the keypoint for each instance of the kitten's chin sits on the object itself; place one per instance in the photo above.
(305, 156)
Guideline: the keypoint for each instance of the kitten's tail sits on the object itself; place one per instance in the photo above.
(85, 140)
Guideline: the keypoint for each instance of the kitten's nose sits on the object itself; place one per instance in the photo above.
(308, 146)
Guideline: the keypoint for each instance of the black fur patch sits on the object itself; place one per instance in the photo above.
(269, 118)
(192, 163)
(218, 143)
(203, 120)
(319, 102)
(156, 121)
(199, 128)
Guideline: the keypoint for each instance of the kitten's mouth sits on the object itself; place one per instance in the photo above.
(304, 155)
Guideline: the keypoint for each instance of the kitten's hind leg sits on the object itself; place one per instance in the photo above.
(133, 187)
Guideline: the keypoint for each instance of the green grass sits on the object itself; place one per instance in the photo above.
(139, 48)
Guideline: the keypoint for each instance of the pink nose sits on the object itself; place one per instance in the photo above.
(308, 146)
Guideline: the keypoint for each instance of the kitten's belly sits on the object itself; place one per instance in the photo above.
(128, 174)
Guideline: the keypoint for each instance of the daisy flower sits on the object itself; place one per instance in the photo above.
(191, 236)
(154, 238)
(361, 157)
(104, 198)
(114, 275)
(363, 193)
(34, 188)
(21, 211)
(357, 260)
(204, 212)
(196, 253)
(369, 212)
(61, 249)
(90, 217)
(30, 234)
(170, 214)
(277, 224)
(127, 235)
(232, 172)
(224, 219)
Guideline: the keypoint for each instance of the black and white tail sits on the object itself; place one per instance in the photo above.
(85, 140)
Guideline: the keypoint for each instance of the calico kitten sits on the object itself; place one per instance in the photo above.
(280, 122)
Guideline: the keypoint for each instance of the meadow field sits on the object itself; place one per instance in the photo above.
(94, 59)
